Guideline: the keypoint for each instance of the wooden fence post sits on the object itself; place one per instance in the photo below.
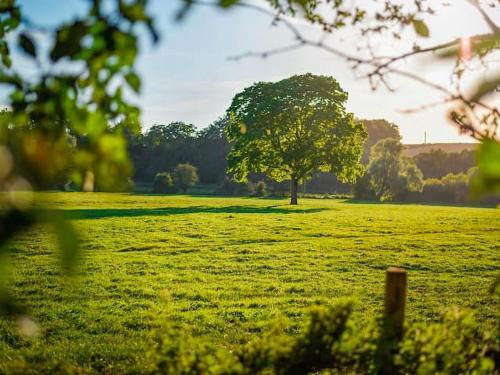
(395, 299)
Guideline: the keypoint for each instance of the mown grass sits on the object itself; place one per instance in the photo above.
(227, 267)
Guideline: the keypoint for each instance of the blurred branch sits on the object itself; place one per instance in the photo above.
(491, 24)
(378, 68)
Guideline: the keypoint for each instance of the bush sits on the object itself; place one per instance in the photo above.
(433, 190)
(453, 346)
(389, 174)
(235, 188)
(260, 189)
(362, 189)
(456, 187)
(163, 183)
(330, 343)
(185, 176)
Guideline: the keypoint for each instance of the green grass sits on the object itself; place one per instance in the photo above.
(227, 267)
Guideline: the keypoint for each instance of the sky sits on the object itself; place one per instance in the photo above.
(188, 76)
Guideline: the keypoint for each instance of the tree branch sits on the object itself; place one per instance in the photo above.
(492, 25)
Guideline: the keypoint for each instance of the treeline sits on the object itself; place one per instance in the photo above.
(392, 176)
(162, 147)
(436, 175)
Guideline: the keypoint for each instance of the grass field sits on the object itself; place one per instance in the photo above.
(227, 267)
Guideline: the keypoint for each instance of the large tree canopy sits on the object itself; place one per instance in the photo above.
(292, 128)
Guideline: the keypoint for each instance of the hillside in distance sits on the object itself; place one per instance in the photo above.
(412, 150)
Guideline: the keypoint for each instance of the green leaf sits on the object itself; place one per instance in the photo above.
(487, 180)
(27, 44)
(133, 81)
(421, 28)
(227, 3)
(68, 40)
(5, 54)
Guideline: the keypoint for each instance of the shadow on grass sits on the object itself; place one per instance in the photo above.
(98, 213)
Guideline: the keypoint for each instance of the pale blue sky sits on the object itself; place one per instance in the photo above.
(187, 77)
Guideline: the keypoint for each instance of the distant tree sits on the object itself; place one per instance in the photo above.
(377, 129)
(326, 182)
(164, 183)
(185, 176)
(437, 163)
(231, 187)
(210, 152)
(166, 146)
(293, 128)
(390, 174)
(433, 190)
(412, 175)
(260, 189)
(456, 186)
(363, 189)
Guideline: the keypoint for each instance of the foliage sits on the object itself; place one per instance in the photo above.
(376, 130)
(185, 176)
(488, 177)
(164, 183)
(387, 20)
(363, 188)
(162, 147)
(292, 128)
(212, 148)
(260, 189)
(471, 112)
(235, 188)
(228, 267)
(207, 149)
(57, 121)
(390, 174)
(455, 345)
(438, 163)
(434, 190)
(456, 186)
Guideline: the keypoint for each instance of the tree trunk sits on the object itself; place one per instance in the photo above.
(293, 191)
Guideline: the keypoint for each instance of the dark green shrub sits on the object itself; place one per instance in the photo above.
(362, 188)
(235, 188)
(456, 187)
(164, 184)
(433, 190)
(260, 189)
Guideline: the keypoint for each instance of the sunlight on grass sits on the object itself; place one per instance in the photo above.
(227, 267)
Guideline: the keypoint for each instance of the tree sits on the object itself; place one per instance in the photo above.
(163, 183)
(169, 145)
(389, 173)
(377, 129)
(212, 148)
(472, 110)
(185, 175)
(260, 189)
(293, 128)
(437, 163)
(456, 186)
